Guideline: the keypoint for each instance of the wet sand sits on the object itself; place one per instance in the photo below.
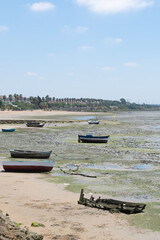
(30, 198)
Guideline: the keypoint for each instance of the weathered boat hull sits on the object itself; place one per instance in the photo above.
(111, 204)
(27, 166)
(35, 124)
(8, 130)
(30, 154)
(93, 139)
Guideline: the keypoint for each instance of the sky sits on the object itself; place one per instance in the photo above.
(105, 49)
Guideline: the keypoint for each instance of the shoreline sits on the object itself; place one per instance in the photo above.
(31, 198)
(55, 117)
(42, 113)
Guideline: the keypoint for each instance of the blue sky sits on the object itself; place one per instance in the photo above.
(105, 49)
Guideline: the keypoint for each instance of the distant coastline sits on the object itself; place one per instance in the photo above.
(18, 103)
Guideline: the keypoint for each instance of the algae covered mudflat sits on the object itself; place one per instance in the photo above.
(127, 167)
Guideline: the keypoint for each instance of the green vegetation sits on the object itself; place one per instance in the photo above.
(149, 219)
(18, 102)
(17, 224)
(36, 224)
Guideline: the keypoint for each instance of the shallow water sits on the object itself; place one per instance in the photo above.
(84, 118)
(143, 166)
(111, 167)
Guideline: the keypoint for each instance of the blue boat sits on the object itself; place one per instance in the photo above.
(93, 139)
(8, 130)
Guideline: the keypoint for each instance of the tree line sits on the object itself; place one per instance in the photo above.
(20, 102)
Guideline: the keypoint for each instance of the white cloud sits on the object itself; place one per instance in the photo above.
(81, 29)
(114, 6)
(42, 6)
(111, 41)
(118, 40)
(3, 28)
(107, 69)
(86, 47)
(67, 28)
(31, 74)
(130, 64)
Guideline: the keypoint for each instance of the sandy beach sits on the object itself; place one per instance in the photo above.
(39, 113)
(32, 197)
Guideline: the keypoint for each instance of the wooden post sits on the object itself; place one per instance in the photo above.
(81, 196)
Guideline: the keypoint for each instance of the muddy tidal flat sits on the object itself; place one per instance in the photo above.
(127, 167)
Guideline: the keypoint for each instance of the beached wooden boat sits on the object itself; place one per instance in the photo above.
(93, 139)
(8, 130)
(29, 154)
(111, 204)
(27, 166)
(35, 124)
(93, 122)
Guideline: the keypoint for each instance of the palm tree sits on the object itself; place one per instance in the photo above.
(10, 97)
(47, 98)
(4, 98)
(21, 97)
(15, 95)
(31, 99)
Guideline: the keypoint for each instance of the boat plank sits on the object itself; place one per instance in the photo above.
(111, 204)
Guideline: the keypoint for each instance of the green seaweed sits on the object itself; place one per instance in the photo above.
(17, 224)
(150, 219)
(36, 224)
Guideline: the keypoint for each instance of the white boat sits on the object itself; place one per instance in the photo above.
(94, 121)
(27, 166)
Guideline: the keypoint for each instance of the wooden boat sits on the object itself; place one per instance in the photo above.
(8, 130)
(93, 139)
(35, 124)
(111, 204)
(29, 154)
(93, 122)
(27, 166)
